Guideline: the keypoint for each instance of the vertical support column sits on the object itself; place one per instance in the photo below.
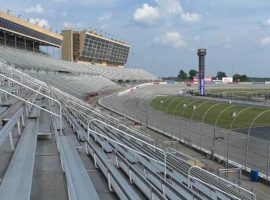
(11, 141)
(15, 41)
(5, 38)
(33, 46)
(25, 43)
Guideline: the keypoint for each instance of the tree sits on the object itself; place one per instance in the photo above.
(220, 75)
(243, 78)
(240, 78)
(192, 73)
(236, 77)
(182, 75)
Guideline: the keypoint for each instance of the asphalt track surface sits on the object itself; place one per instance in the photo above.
(252, 152)
(259, 132)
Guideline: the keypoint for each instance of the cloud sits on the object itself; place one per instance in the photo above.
(40, 22)
(78, 25)
(224, 42)
(60, 1)
(63, 13)
(191, 17)
(103, 26)
(105, 16)
(35, 9)
(146, 14)
(68, 25)
(266, 22)
(265, 41)
(105, 3)
(165, 10)
(173, 39)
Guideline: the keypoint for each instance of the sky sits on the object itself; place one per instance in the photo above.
(165, 34)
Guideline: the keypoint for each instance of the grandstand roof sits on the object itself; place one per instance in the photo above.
(24, 28)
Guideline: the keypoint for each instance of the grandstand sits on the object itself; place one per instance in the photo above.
(78, 86)
(55, 145)
(35, 62)
(133, 166)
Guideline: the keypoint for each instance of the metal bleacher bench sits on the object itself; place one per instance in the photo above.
(78, 181)
(17, 182)
(7, 128)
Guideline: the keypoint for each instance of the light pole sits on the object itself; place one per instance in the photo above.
(160, 110)
(167, 100)
(215, 127)
(175, 108)
(204, 116)
(165, 119)
(249, 129)
(230, 132)
(185, 106)
(194, 110)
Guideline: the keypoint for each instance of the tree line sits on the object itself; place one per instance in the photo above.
(183, 76)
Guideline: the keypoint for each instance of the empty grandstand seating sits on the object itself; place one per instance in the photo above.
(79, 86)
(133, 167)
(38, 62)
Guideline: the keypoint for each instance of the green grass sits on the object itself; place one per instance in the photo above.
(174, 105)
(239, 91)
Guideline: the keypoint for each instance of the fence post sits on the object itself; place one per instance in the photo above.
(268, 161)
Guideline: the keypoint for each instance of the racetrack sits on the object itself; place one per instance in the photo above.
(250, 151)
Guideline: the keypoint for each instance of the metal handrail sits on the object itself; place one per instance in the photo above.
(40, 93)
(231, 195)
(138, 133)
(95, 153)
(81, 104)
(164, 152)
(174, 150)
(123, 145)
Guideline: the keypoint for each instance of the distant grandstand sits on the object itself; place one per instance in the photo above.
(36, 62)
(88, 46)
(20, 43)
(20, 33)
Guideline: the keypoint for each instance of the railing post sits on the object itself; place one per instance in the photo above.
(268, 162)
(19, 126)
(11, 141)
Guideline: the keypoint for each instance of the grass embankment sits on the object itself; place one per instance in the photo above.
(175, 105)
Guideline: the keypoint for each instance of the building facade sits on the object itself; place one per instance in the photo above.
(85, 46)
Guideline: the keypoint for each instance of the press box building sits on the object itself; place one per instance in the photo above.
(88, 46)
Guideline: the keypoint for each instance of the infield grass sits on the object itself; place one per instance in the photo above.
(174, 105)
